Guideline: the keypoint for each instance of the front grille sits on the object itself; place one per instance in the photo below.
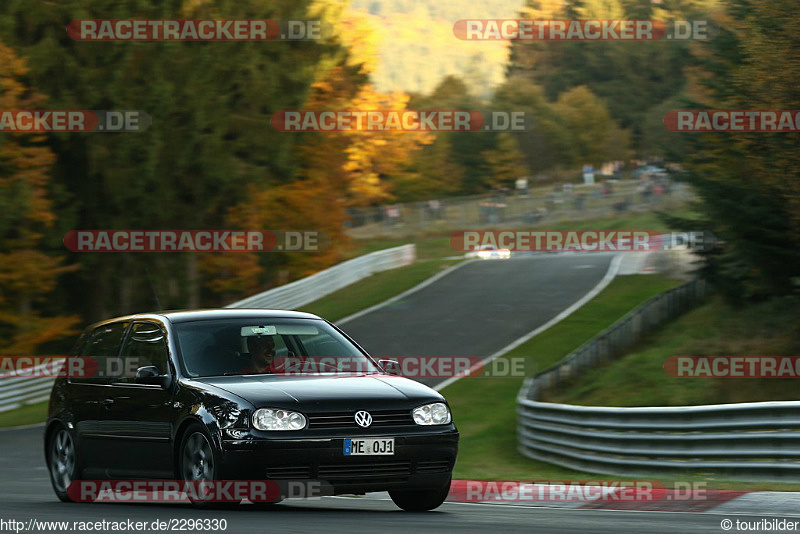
(365, 472)
(433, 466)
(354, 471)
(346, 420)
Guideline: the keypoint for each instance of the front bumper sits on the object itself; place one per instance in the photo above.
(422, 460)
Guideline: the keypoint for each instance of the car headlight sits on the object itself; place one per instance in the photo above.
(274, 419)
(436, 413)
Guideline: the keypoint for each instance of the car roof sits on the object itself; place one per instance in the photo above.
(182, 316)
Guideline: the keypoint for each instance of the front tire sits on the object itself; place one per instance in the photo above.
(420, 500)
(62, 462)
(198, 462)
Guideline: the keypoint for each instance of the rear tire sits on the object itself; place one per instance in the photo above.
(420, 500)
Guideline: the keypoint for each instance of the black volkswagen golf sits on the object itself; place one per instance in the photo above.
(201, 396)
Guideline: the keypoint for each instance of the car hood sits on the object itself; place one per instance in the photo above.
(325, 393)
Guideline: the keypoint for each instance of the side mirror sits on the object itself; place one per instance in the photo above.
(149, 375)
(390, 367)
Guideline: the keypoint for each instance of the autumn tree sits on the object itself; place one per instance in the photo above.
(335, 170)
(210, 139)
(467, 150)
(545, 145)
(632, 78)
(748, 182)
(594, 136)
(506, 161)
(27, 275)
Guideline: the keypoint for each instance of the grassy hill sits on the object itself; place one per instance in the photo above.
(714, 329)
(418, 47)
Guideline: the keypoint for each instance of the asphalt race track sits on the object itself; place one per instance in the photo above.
(479, 308)
(26, 495)
(476, 310)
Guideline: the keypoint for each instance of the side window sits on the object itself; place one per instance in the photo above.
(78, 346)
(102, 344)
(146, 345)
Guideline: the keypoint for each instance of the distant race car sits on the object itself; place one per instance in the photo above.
(650, 170)
(489, 252)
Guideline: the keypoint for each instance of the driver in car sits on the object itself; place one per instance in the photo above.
(262, 354)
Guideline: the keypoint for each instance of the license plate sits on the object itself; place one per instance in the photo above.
(369, 447)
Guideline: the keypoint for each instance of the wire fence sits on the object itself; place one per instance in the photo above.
(581, 202)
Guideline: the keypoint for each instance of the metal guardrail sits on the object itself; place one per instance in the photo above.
(29, 387)
(20, 389)
(747, 441)
(316, 286)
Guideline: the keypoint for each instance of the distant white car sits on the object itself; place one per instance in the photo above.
(650, 170)
(489, 252)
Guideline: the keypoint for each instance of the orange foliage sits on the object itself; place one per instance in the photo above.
(337, 170)
(362, 164)
(26, 275)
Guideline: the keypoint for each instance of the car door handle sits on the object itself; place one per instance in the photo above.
(107, 402)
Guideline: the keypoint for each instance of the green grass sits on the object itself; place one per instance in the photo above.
(639, 221)
(429, 246)
(485, 408)
(714, 329)
(374, 289)
(27, 415)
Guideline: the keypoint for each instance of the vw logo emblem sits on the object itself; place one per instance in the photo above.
(363, 419)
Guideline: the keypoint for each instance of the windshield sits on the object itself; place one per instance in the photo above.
(282, 347)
